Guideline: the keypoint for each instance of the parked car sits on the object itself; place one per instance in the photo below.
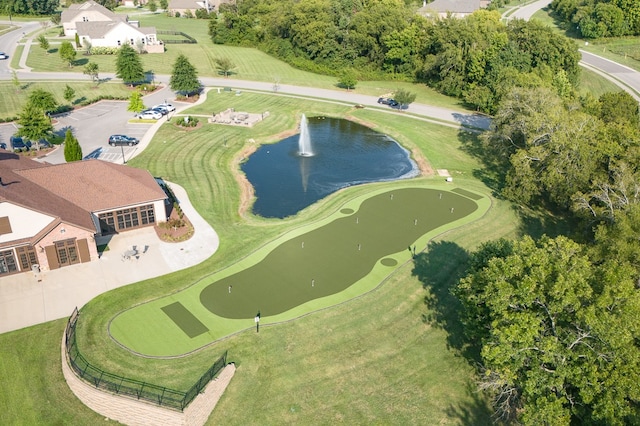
(3, 145)
(149, 114)
(4, 55)
(18, 143)
(118, 140)
(161, 109)
(165, 105)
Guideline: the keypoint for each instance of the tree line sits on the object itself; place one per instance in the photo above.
(477, 59)
(600, 18)
(554, 320)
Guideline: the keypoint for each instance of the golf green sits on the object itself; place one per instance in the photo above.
(312, 267)
(331, 258)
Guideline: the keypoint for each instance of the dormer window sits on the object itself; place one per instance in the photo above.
(85, 19)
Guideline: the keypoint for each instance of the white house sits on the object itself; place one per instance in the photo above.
(102, 28)
(453, 8)
(115, 34)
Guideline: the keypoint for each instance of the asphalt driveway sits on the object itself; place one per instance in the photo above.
(92, 125)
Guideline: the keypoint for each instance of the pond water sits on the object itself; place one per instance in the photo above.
(344, 154)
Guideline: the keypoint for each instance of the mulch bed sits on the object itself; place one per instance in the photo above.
(172, 234)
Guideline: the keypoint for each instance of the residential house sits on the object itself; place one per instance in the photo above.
(101, 27)
(52, 215)
(453, 8)
(182, 6)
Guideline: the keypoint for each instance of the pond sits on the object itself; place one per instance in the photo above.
(343, 153)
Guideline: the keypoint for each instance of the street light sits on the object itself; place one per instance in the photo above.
(124, 161)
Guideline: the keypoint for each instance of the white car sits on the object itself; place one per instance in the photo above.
(166, 106)
(149, 115)
(4, 55)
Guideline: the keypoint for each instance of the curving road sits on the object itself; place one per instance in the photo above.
(624, 77)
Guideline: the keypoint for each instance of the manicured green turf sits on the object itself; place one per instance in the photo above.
(339, 260)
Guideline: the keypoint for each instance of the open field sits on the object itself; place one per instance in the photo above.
(386, 357)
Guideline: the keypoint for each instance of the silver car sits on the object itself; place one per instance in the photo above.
(149, 114)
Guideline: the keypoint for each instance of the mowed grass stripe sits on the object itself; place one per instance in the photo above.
(184, 319)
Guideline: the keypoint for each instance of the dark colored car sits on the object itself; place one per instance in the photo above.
(3, 145)
(162, 110)
(118, 140)
(18, 143)
(388, 101)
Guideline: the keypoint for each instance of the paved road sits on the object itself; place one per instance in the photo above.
(624, 77)
(528, 10)
(9, 42)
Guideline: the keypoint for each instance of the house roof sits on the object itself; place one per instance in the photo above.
(78, 9)
(454, 6)
(19, 190)
(186, 4)
(95, 185)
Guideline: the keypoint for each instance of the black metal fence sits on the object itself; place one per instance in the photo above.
(187, 38)
(159, 395)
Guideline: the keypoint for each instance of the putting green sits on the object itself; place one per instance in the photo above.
(310, 268)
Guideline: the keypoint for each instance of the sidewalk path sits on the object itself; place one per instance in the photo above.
(28, 298)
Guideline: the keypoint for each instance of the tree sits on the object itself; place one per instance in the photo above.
(556, 331)
(15, 81)
(78, 45)
(43, 100)
(404, 97)
(224, 66)
(135, 102)
(152, 6)
(67, 53)
(184, 78)
(69, 93)
(164, 4)
(33, 123)
(44, 43)
(129, 66)
(348, 79)
(72, 149)
(87, 47)
(92, 70)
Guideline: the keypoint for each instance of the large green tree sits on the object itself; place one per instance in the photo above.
(43, 100)
(184, 78)
(558, 334)
(128, 65)
(33, 124)
(72, 149)
(67, 53)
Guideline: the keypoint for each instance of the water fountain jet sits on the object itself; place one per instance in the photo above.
(304, 141)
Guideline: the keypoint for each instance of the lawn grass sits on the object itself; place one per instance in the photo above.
(375, 359)
(14, 100)
(370, 358)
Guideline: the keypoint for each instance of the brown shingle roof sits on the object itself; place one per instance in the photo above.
(96, 185)
(21, 191)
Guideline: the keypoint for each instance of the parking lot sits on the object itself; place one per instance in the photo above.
(92, 126)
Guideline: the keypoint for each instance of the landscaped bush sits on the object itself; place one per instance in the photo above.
(188, 121)
(104, 50)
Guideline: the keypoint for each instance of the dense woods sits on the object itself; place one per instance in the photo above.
(600, 18)
(477, 59)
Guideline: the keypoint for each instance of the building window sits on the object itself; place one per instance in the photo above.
(118, 42)
(27, 257)
(113, 222)
(85, 19)
(67, 252)
(147, 214)
(132, 42)
(7, 262)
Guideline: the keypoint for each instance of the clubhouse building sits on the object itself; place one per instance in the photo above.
(52, 216)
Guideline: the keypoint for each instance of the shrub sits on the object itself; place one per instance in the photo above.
(187, 121)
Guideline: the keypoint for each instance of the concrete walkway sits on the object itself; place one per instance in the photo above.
(27, 299)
